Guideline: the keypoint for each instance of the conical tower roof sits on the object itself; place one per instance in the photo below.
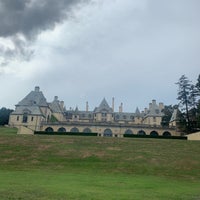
(137, 112)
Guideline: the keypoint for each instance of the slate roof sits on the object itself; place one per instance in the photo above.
(103, 107)
(137, 112)
(33, 110)
(124, 116)
(35, 97)
(55, 106)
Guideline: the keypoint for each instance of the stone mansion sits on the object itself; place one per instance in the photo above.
(34, 113)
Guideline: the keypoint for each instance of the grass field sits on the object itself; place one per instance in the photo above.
(67, 167)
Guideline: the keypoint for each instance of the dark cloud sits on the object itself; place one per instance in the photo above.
(22, 20)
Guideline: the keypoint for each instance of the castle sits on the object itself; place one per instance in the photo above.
(34, 113)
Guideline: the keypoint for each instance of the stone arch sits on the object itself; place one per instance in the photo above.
(141, 132)
(154, 133)
(167, 134)
(74, 130)
(129, 132)
(49, 129)
(61, 129)
(107, 132)
(87, 130)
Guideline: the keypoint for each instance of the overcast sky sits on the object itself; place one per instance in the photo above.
(133, 50)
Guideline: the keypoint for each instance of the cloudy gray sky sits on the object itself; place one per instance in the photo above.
(133, 50)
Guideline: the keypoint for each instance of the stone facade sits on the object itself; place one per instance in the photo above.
(36, 114)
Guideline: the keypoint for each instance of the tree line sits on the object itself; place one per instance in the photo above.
(188, 107)
(4, 115)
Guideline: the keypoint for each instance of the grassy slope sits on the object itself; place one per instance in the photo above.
(66, 167)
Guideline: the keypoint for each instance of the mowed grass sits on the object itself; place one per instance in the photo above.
(67, 167)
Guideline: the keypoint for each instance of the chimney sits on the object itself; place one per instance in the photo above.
(154, 102)
(121, 108)
(37, 89)
(150, 106)
(161, 106)
(55, 98)
(62, 104)
(145, 110)
(113, 104)
(87, 107)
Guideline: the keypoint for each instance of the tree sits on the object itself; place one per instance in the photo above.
(4, 115)
(184, 92)
(168, 110)
(198, 85)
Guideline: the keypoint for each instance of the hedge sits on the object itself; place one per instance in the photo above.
(157, 137)
(64, 133)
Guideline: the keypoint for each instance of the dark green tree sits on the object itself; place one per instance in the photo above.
(198, 85)
(4, 115)
(184, 92)
(168, 110)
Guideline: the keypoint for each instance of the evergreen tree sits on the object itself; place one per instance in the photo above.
(168, 110)
(197, 86)
(184, 92)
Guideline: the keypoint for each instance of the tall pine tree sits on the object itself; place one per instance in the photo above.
(184, 92)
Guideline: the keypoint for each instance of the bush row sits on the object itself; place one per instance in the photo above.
(158, 137)
(65, 133)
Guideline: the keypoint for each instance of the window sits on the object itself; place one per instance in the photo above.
(132, 117)
(154, 119)
(17, 118)
(32, 118)
(25, 118)
(104, 114)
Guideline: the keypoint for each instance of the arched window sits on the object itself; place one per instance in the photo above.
(25, 118)
(87, 130)
(74, 130)
(128, 131)
(107, 133)
(166, 134)
(49, 129)
(154, 133)
(141, 132)
(62, 129)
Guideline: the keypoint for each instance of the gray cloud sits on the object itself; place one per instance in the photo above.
(134, 50)
(22, 20)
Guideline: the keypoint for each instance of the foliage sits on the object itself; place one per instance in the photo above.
(188, 96)
(4, 115)
(168, 111)
(53, 119)
(64, 133)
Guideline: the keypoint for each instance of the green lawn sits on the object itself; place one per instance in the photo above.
(67, 167)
